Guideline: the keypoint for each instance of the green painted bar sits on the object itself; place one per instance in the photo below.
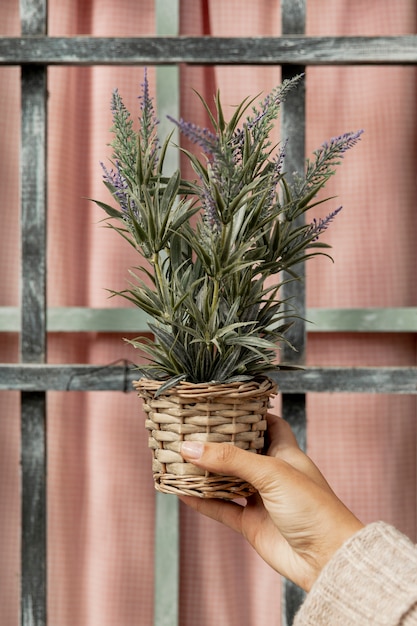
(390, 320)
(166, 591)
(129, 320)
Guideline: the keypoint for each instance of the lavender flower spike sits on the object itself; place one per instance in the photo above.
(342, 143)
(200, 136)
(145, 99)
(148, 119)
(116, 180)
(118, 109)
(317, 227)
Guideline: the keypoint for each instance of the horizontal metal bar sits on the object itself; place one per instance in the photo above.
(131, 320)
(63, 377)
(290, 49)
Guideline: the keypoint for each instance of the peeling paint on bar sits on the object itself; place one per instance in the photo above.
(33, 324)
(293, 116)
(119, 377)
(289, 50)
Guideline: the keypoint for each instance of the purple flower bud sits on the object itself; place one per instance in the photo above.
(200, 136)
(317, 227)
(342, 143)
(120, 186)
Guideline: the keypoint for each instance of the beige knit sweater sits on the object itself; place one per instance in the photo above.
(371, 580)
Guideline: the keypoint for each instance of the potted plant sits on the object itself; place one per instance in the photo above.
(213, 253)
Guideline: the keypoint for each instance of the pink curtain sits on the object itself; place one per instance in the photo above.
(101, 496)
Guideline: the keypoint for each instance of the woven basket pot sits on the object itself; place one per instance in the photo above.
(234, 413)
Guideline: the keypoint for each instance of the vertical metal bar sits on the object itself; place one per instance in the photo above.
(166, 593)
(33, 215)
(293, 126)
(33, 547)
(33, 14)
(33, 347)
(33, 324)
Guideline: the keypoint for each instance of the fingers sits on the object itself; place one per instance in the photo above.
(284, 446)
(226, 459)
(230, 459)
(228, 513)
(258, 470)
(280, 435)
(263, 472)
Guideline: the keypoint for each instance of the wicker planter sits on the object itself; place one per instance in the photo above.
(233, 413)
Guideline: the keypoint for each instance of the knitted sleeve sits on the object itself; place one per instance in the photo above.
(372, 579)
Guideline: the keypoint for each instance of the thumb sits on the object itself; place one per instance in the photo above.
(224, 458)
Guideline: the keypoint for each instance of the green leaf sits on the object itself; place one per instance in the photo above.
(112, 212)
(172, 382)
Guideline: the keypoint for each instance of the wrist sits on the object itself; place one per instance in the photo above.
(321, 557)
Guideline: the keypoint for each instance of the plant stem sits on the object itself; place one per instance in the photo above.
(216, 289)
(160, 282)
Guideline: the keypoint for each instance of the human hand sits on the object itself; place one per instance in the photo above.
(295, 521)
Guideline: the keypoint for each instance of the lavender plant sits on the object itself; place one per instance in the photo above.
(204, 280)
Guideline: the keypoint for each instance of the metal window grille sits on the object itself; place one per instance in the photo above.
(34, 51)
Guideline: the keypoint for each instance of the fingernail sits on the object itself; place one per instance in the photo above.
(192, 449)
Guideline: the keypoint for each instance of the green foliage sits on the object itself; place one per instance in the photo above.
(204, 280)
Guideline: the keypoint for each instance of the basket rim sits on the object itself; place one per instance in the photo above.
(259, 385)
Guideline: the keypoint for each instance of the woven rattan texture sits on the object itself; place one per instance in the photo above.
(234, 413)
